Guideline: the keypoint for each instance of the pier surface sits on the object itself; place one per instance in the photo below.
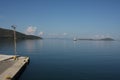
(10, 67)
(5, 57)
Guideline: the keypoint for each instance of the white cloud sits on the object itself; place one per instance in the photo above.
(101, 36)
(41, 33)
(57, 35)
(64, 34)
(31, 30)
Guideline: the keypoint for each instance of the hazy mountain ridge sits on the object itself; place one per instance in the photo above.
(103, 39)
(8, 34)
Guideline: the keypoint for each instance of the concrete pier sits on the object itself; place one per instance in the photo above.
(9, 67)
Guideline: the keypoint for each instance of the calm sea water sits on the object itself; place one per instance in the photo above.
(65, 59)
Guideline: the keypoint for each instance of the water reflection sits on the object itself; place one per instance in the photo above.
(40, 43)
(54, 59)
(30, 45)
(7, 46)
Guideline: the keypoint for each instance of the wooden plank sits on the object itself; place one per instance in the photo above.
(10, 72)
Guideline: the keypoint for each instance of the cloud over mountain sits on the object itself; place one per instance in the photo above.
(31, 30)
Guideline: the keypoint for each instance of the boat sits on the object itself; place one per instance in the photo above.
(74, 39)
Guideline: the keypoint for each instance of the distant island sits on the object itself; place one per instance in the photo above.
(107, 39)
(8, 34)
(103, 39)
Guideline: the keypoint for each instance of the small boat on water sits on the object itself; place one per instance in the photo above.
(74, 39)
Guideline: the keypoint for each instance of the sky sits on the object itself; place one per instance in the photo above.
(62, 18)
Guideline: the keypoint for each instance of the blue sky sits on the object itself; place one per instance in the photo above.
(64, 18)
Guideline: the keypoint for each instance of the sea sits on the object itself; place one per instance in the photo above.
(65, 59)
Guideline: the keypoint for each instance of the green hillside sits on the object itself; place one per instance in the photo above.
(8, 34)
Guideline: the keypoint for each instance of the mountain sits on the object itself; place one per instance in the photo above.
(103, 39)
(107, 39)
(8, 34)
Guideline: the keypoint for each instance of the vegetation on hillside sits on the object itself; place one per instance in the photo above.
(8, 34)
